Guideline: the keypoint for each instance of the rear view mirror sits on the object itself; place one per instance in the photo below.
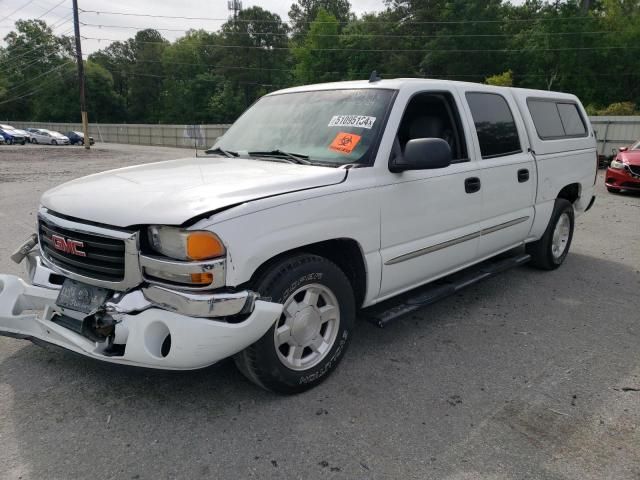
(623, 149)
(423, 154)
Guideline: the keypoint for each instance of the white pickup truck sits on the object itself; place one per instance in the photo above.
(319, 202)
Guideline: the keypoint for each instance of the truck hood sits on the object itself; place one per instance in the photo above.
(172, 192)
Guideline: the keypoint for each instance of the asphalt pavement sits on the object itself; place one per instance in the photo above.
(529, 375)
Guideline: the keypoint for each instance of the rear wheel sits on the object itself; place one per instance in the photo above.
(309, 339)
(549, 252)
(10, 141)
(613, 190)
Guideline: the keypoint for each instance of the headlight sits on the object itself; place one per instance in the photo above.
(616, 164)
(185, 244)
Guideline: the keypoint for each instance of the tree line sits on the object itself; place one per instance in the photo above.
(589, 48)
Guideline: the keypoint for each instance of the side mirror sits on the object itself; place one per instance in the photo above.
(423, 154)
(623, 149)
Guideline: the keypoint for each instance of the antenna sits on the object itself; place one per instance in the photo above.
(374, 77)
(234, 6)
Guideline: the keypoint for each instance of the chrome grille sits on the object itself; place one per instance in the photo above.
(104, 257)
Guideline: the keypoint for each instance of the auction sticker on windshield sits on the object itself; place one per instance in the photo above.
(345, 142)
(362, 121)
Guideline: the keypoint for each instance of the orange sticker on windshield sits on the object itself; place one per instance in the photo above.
(345, 142)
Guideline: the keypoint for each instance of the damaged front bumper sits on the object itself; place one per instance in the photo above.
(152, 326)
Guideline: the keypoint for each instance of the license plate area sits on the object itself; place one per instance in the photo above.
(81, 297)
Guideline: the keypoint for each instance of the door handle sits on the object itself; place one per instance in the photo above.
(472, 185)
(523, 175)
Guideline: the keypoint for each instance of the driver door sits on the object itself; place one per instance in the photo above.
(429, 217)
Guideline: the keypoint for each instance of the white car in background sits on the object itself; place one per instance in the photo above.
(42, 135)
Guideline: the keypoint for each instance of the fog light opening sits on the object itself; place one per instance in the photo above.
(166, 346)
(157, 340)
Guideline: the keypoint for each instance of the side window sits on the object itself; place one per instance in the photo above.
(556, 119)
(497, 132)
(432, 115)
(571, 119)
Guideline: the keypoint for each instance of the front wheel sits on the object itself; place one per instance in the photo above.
(53, 142)
(311, 336)
(549, 252)
(34, 141)
(613, 190)
(10, 141)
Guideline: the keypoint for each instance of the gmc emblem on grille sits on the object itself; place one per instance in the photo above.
(67, 245)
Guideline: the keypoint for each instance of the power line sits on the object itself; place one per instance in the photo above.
(16, 10)
(403, 22)
(31, 50)
(48, 72)
(29, 94)
(51, 9)
(404, 50)
(357, 35)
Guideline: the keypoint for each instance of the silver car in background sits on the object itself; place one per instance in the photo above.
(51, 137)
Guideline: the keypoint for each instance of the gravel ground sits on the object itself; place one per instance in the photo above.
(530, 375)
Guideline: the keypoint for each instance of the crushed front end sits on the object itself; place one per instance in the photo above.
(94, 290)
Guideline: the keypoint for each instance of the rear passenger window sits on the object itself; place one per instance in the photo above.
(556, 119)
(497, 132)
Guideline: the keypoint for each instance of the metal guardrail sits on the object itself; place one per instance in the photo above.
(615, 132)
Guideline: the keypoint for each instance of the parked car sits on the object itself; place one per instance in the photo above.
(77, 138)
(318, 202)
(26, 134)
(12, 136)
(624, 171)
(42, 135)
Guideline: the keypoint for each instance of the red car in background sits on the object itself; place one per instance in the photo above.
(624, 171)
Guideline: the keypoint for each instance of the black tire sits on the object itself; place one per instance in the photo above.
(81, 143)
(23, 142)
(613, 190)
(34, 141)
(10, 141)
(54, 142)
(541, 251)
(261, 361)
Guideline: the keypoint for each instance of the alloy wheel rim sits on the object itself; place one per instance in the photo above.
(308, 327)
(560, 239)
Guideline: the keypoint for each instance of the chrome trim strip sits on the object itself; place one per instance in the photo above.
(431, 249)
(510, 223)
(455, 241)
(132, 272)
(201, 305)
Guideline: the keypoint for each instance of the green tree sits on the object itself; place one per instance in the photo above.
(303, 12)
(504, 79)
(146, 77)
(317, 59)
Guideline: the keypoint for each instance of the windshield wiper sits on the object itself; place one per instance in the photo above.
(218, 151)
(277, 153)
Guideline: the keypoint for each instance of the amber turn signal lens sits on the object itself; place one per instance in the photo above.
(204, 245)
(202, 278)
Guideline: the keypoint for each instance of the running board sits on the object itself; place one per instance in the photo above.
(409, 302)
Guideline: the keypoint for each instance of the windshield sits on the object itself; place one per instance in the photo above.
(635, 146)
(327, 126)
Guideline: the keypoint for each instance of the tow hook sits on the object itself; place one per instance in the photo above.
(25, 248)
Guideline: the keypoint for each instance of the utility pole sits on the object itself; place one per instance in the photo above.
(83, 102)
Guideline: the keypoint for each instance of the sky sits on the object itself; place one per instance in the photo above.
(117, 27)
